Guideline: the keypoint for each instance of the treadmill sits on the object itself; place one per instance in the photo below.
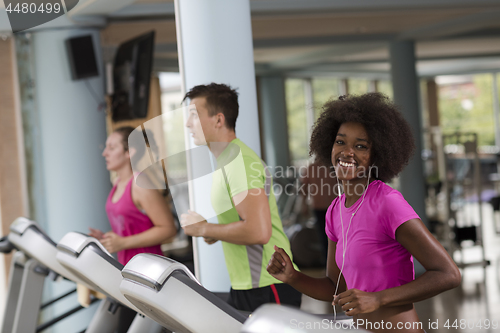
(35, 260)
(86, 258)
(167, 292)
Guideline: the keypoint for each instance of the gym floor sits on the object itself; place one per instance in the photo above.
(474, 304)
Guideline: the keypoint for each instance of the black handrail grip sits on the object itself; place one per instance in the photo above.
(5, 245)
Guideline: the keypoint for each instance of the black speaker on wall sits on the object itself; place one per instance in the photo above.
(81, 56)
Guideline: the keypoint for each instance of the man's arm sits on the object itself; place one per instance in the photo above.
(255, 226)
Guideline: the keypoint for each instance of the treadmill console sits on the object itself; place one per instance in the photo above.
(145, 268)
(74, 243)
(20, 225)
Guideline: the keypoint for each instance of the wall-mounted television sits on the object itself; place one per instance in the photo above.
(131, 78)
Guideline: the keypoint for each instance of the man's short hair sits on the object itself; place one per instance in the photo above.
(220, 98)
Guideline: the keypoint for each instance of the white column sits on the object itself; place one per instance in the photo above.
(72, 137)
(343, 87)
(215, 45)
(70, 134)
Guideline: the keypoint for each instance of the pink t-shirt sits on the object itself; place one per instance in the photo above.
(374, 259)
(127, 220)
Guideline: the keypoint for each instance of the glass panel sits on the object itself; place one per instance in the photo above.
(173, 122)
(296, 119)
(324, 89)
(385, 87)
(466, 105)
(357, 86)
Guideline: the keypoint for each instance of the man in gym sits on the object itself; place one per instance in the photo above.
(251, 227)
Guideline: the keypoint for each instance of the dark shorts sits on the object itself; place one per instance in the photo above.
(251, 299)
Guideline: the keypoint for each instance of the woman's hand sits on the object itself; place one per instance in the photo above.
(96, 233)
(280, 266)
(112, 242)
(355, 301)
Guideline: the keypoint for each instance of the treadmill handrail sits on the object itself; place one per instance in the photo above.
(5, 245)
(22, 224)
(75, 242)
(105, 255)
(95, 248)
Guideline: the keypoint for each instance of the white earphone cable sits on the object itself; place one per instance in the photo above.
(344, 240)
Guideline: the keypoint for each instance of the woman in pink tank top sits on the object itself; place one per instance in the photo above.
(140, 218)
(373, 233)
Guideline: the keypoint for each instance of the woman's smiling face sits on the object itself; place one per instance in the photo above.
(351, 152)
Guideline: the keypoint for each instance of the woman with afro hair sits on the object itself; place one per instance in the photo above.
(373, 233)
